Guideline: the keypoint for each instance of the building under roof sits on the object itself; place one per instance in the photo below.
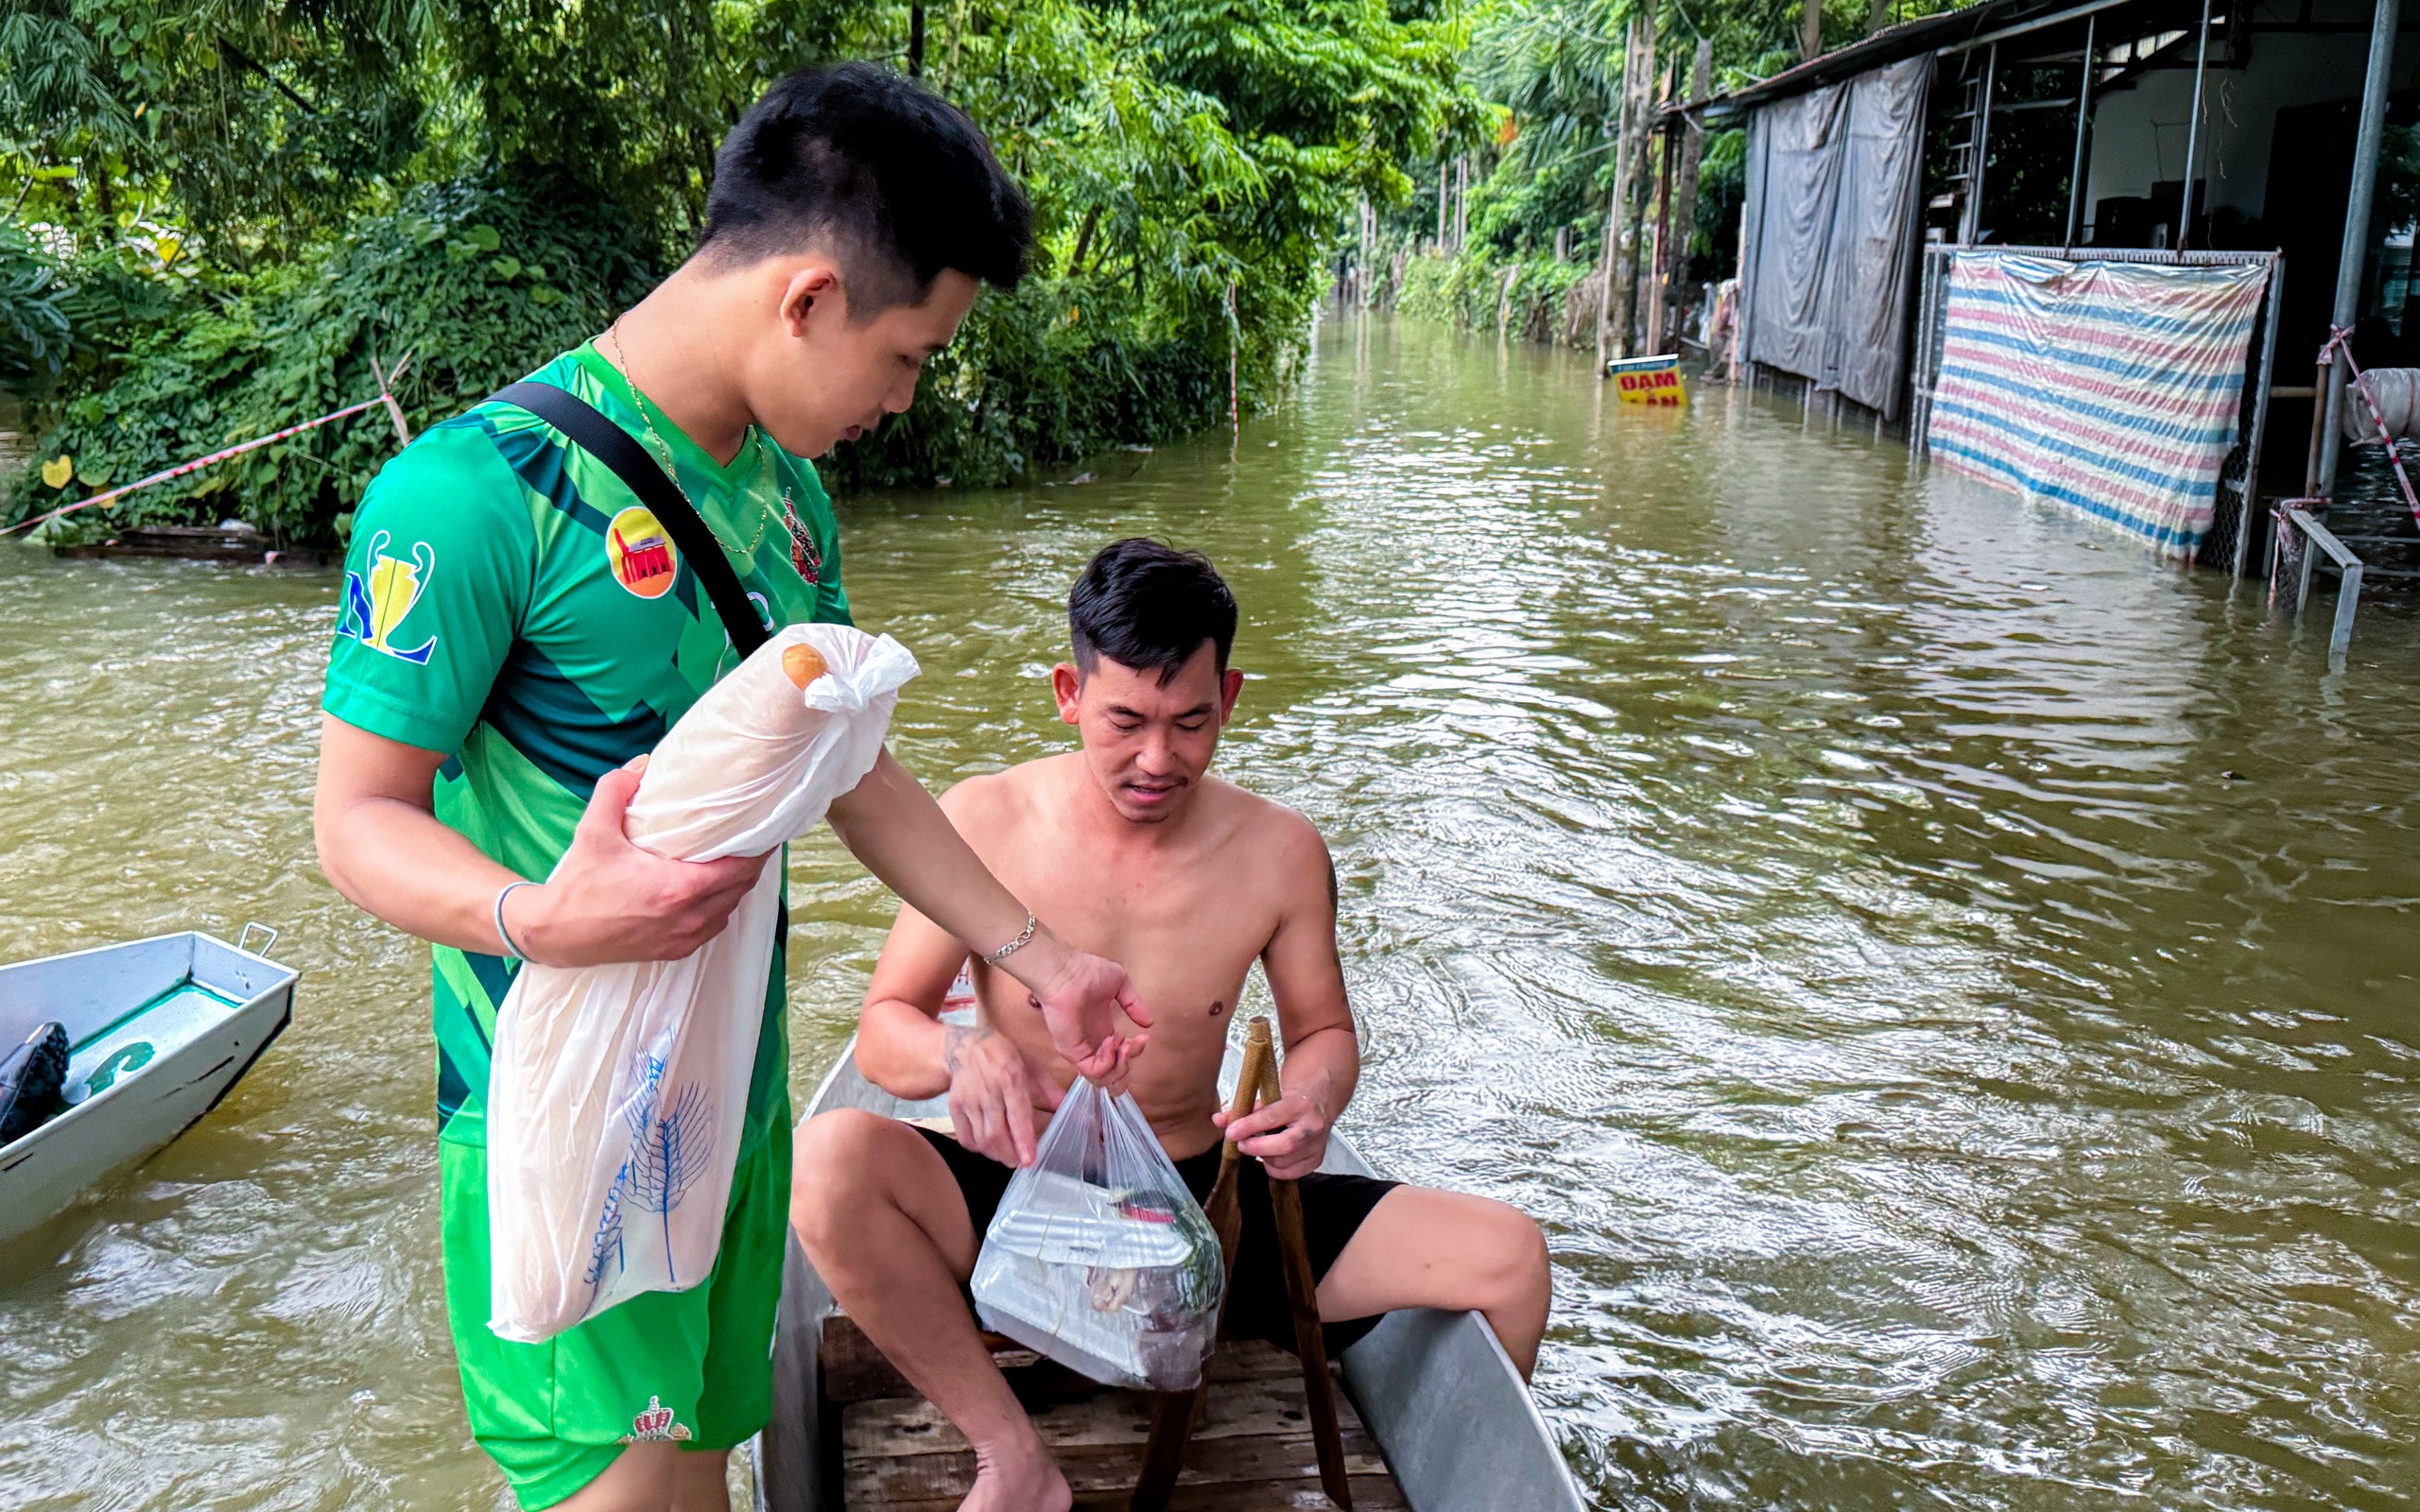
(2148, 127)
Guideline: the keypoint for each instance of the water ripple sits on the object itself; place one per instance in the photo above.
(1943, 980)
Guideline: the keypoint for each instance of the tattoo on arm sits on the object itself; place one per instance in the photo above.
(956, 1038)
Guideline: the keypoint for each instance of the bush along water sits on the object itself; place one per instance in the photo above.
(1532, 298)
(477, 283)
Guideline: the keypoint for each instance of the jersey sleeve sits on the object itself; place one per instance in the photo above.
(437, 583)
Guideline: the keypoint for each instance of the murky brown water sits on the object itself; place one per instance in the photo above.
(1821, 896)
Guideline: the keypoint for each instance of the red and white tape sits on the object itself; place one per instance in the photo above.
(199, 462)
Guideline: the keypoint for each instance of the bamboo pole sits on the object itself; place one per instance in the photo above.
(1174, 1413)
(1659, 301)
(1606, 254)
(1461, 202)
(1301, 1298)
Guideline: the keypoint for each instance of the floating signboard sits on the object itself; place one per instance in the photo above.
(1649, 380)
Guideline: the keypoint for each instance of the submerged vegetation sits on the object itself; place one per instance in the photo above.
(224, 214)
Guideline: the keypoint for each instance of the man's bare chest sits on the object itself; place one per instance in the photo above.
(1188, 937)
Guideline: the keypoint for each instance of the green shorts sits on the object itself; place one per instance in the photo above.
(693, 1367)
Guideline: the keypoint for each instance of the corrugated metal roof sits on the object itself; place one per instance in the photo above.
(1924, 34)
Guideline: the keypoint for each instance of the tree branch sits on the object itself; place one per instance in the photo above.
(244, 59)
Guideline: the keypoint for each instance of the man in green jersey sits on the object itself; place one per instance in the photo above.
(518, 627)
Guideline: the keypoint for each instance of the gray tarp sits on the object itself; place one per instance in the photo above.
(1831, 217)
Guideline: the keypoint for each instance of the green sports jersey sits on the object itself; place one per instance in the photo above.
(510, 603)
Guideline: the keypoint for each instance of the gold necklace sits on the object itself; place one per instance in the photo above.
(622, 365)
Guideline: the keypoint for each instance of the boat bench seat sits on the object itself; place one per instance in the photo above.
(1252, 1451)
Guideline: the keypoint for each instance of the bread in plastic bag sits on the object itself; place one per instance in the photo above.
(617, 1093)
(1098, 1257)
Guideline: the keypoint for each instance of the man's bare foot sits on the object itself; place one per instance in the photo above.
(1017, 1478)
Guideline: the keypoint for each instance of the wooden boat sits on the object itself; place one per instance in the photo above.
(230, 540)
(159, 1030)
(1436, 1418)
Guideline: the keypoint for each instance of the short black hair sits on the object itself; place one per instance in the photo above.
(1146, 605)
(900, 179)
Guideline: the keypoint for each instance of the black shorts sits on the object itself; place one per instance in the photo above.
(1333, 1208)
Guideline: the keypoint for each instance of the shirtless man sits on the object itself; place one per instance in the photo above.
(1131, 851)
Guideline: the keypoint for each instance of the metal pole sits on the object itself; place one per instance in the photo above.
(2193, 134)
(2348, 599)
(2259, 415)
(1920, 371)
(1971, 223)
(2083, 118)
(2352, 261)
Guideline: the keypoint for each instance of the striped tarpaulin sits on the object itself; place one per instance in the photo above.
(2111, 388)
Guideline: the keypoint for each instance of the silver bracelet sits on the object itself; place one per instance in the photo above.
(1025, 937)
(511, 951)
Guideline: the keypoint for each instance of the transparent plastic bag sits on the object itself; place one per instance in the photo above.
(617, 1093)
(1098, 1257)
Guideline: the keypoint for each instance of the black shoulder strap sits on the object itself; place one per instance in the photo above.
(643, 476)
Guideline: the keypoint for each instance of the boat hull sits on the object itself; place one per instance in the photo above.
(153, 1099)
(1435, 1389)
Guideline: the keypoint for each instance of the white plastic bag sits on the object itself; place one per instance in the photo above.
(617, 1093)
(1098, 1257)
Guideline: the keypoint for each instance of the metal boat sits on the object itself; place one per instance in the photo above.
(158, 1031)
(1438, 1394)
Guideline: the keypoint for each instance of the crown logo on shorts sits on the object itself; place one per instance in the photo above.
(656, 1425)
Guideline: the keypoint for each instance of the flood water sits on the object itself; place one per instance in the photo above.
(1946, 981)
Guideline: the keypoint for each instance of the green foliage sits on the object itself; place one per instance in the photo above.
(470, 278)
(1189, 162)
(247, 121)
(1046, 374)
(33, 326)
(1175, 153)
